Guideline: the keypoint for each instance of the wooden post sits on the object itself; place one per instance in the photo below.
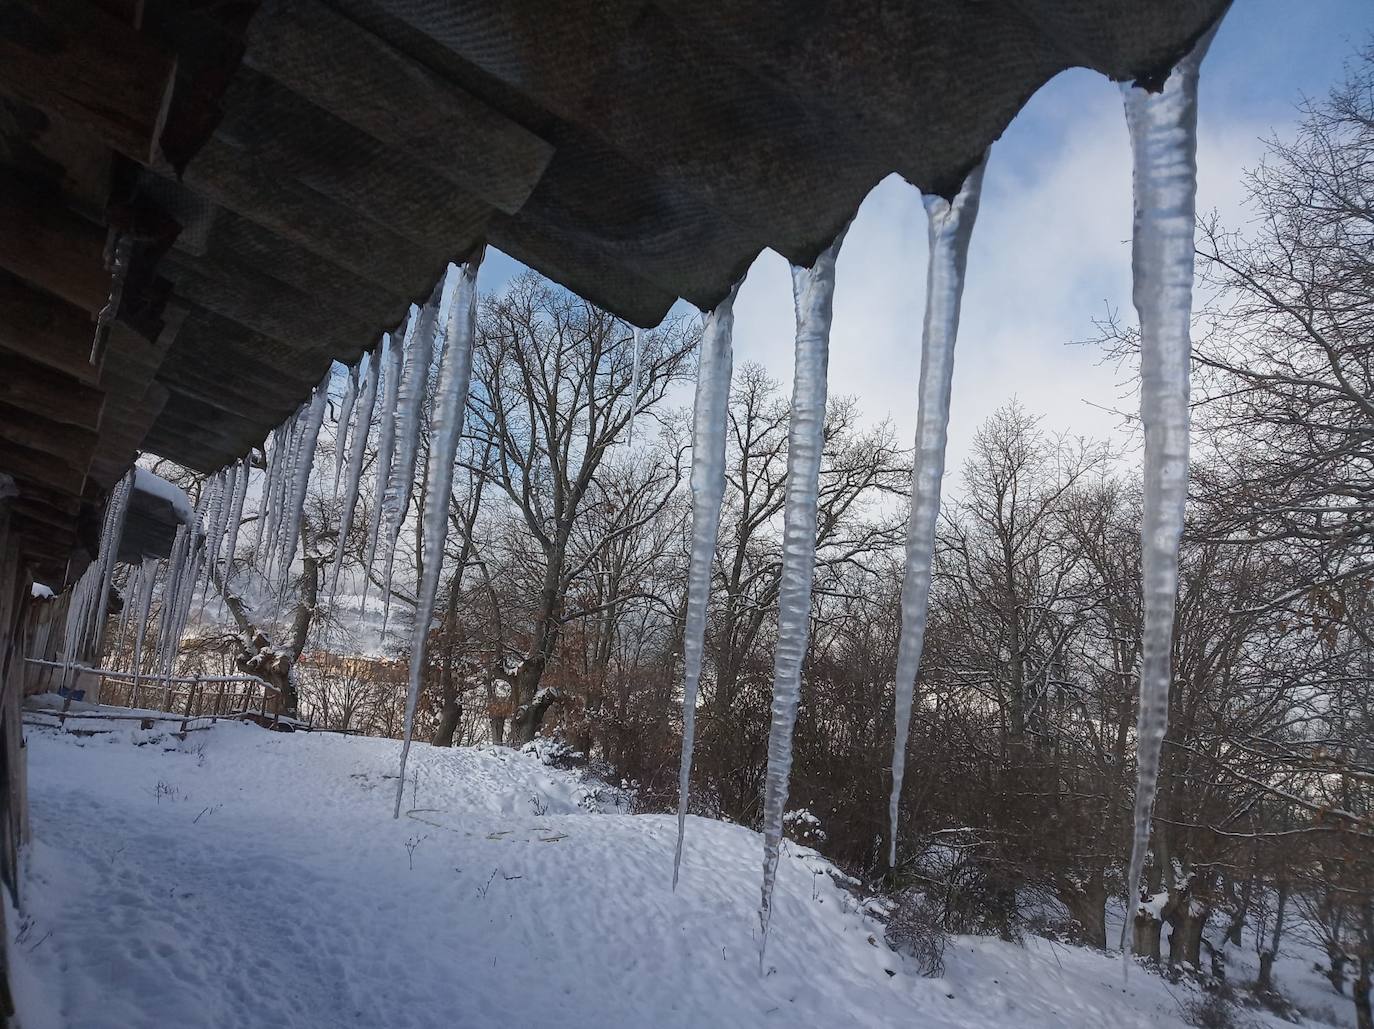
(190, 698)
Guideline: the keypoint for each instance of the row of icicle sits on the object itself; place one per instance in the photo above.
(389, 385)
(396, 374)
(1164, 142)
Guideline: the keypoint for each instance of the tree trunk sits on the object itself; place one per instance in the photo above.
(533, 703)
(1364, 1015)
(1087, 904)
(1145, 937)
(1335, 971)
(449, 716)
(1265, 982)
(1185, 942)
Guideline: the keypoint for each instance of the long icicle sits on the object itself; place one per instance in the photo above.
(147, 580)
(709, 419)
(386, 445)
(235, 519)
(410, 405)
(116, 513)
(1163, 129)
(305, 461)
(269, 457)
(634, 385)
(443, 451)
(813, 292)
(950, 229)
(366, 403)
(341, 428)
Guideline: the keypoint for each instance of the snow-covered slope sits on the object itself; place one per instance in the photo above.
(247, 878)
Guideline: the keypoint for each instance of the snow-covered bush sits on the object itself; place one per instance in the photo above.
(802, 826)
(915, 928)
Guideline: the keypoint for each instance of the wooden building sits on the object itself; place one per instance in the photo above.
(202, 205)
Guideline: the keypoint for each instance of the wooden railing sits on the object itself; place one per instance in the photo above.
(174, 698)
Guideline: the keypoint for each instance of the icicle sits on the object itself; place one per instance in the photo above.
(410, 405)
(113, 531)
(950, 229)
(91, 596)
(245, 470)
(386, 445)
(167, 615)
(367, 401)
(813, 291)
(150, 573)
(282, 493)
(443, 451)
(305, 461)
(709, 421)
(1163, 128)
(219, 507)
(341, 429)
(271, 458)
(132, 584)
(634, 387)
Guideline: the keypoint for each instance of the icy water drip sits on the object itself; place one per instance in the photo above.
(634, 385)
(112, 531)
(220, 487)
(410, 419)
(305, 461)
(950, 226)
(147, 580)
(271, 452)
(709, 422)
(410, 407)
(386, 445)
(245, 469)
(813, 291)
(451, 403)
(363, 408)
(345, 413)
(1163, 130)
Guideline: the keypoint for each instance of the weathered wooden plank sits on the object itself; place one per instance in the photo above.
(50, 247)
(32, 387)
(43, 469)
(87, 66)
(309, 219)
(359, 78)
(44, 329)
(71, 443)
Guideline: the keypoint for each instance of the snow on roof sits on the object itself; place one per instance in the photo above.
(159, 487)
(41, 592)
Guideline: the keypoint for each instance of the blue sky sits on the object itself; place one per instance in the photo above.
(1051, 248)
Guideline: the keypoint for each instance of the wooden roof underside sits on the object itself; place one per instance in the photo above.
(294, 173)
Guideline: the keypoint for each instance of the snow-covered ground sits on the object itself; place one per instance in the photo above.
(249, 878)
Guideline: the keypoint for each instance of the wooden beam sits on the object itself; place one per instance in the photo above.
(362, 80)
(44, 329)
(44, 243)
(40, 512)
(89, 67)
(315, 222)
(43, 469)
(32, 387)
(70, 443)
(55, 499)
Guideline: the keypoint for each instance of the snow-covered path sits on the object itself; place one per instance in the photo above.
(246, 878)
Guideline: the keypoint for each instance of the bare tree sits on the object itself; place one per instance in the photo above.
(554, 392)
